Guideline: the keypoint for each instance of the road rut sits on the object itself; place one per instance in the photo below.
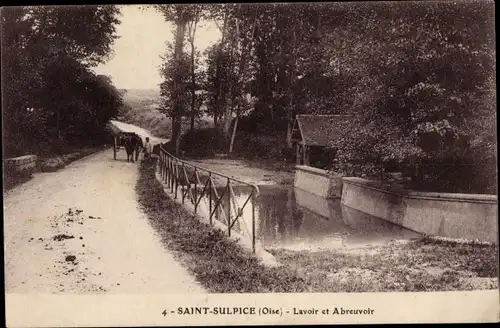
(80, 230)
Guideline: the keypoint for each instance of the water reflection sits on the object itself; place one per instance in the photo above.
(290, 218)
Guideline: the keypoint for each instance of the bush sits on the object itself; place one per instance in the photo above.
(255, 123)
(52, 164)
(202, 142)
(460, 177)
(210, 141)
(255, 146)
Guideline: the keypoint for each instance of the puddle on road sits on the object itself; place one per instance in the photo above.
(293, 219)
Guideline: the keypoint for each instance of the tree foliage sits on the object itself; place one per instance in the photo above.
(416, 79)
(50, 94)
(176, 70)
(425, 94)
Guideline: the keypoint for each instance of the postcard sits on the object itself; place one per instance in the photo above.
(250, 164)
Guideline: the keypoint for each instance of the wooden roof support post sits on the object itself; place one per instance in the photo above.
(297, 153)
(304, 155)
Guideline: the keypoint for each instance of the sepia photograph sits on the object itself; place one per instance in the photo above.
(250, 163)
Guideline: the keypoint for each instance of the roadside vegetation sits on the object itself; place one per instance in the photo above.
(49, 163)
(223, 266)
(53, 103)
(418, 265)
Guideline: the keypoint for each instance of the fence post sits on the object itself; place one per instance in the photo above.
(228, 207)
(195, 191)
(176, 179)
(253, 220)
(172, 177)
(164, 168)
(160, 166)
(210, 196)
(162, 171)
(167, 172)
(182, 191)
(171, 173)
(170, 166)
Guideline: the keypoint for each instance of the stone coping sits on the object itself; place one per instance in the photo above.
(21, 159)
(457, 197)
(314, 170)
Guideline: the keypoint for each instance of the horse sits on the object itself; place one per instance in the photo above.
(130, 144)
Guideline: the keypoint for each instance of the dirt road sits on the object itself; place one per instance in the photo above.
(80, 230)
(140, 131)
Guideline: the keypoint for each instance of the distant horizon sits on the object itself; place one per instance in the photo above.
(156, 89)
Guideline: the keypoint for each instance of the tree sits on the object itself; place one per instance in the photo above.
(414, 77)
(180, 15)
(192, 25)
(36, 43)
(424, 91)
(239, 87)
(217, 71)
(171, 90)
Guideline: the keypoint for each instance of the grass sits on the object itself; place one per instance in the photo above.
(418, 265)
(222, 266)
(53, 163)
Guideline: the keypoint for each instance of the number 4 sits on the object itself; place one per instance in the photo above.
(164, 313)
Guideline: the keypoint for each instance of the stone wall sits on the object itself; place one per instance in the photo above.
(317, 181)
(466, 216)
(22, 164)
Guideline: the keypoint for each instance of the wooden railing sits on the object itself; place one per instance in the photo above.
(196, 184)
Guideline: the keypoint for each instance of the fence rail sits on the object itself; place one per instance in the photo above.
(185, 180)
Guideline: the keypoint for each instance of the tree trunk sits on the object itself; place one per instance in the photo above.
(220, 83)
(234, 134)
(291, 82)
(417, 176)
(178, 128)
(193, 83)
(192, 115)
(193, 75)
(178, 110)
(172, 134)
(228, 106)
(241, 78)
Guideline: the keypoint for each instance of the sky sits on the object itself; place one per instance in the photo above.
(142, 36)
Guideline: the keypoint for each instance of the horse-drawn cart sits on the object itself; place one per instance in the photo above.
(121, 139)
(131, 140)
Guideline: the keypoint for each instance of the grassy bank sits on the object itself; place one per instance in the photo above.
(222, 265)
(53, 163)
(418, 265)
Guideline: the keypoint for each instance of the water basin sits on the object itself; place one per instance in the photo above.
(289, 218)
